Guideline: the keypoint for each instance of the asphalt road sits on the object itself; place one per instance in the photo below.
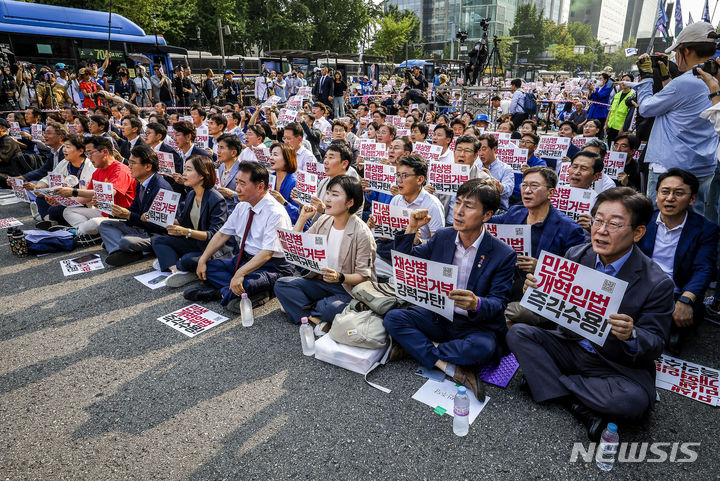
(93, 387)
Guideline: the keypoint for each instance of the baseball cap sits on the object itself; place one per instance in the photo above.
(229, 72)
(481, 118)
(60, 66)
(698, 32)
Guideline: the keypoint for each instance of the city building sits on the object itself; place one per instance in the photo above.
(556, 10)
(605, 17)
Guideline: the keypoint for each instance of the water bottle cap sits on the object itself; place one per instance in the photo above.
(304, 320)
(244, 295)
(612, 427)
(462, 390)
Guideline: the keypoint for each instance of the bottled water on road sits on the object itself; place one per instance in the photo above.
(605, 456)
(461, 412)
(246, 311)
(307, 337)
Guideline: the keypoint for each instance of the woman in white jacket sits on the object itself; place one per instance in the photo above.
(74, 171)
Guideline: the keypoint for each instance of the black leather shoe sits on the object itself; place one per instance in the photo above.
(523, 384)
(590, 419)
(674, 345)
(122, 258)
(202, 293)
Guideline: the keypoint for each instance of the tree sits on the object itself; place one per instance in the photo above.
(620, 62)
(391, 36)
(529, 22)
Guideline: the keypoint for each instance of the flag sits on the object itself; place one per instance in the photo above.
(662, 21)
(706, 13)
(630, 51)
(690, 20)
(678, 19)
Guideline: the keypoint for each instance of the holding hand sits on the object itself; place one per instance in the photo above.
(318, 204)
(622, 326)
(526, 263)
(465, 299)
(120, 212)
(330, 276)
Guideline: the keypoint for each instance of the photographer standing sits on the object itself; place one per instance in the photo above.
(680, 137)
(416, 79)
(143, 87)
(8, 89)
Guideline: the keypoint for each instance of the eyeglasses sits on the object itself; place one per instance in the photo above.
(89, 152)
(525, 142)
(679, 193)
(403, 176)
(465, 151)
(611, 226)
(531, 187)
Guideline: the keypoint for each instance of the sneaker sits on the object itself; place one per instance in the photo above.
(321, 329)
(156, 264)
(202, 292)
(34, 211)
(122, 258)
(88, 240)
(256, 300)
(180, 278)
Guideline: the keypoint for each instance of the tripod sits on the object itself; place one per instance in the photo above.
(494, 59)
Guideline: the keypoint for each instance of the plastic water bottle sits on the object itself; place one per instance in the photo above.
(605, 456)
(307, 338)
(246, 311)
(461, 412)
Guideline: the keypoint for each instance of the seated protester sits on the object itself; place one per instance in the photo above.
(442, 136)
(615, 381)
(100, 126)
(419, 132)
(399, 148)
(260, 261)
(107, 169)
(507, 127)
(254, 137)
(185, 140)
(550, 230)
(457, 126)
(228, 149)
(528, 127)
(567, 129)
(385, 134)
(51, 148)
(129, 241)
(234, 120)
(585, 169)
(630, 176)
(598, 146)
(485, 271)
(340, 133)
(472, 131)
(155, 134)
(75, 163)
(498, 169)
(411, 176)
(683, 244)
(203, 213)
(293, 136)
(9, 151)
(530, 142)
(350, 251)
(283, 166)
(337, 162)
(593, 128)
(131, 128)
(313, 136)
(216, 128)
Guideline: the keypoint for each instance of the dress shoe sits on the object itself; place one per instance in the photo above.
(468, 377)
(523, 384)
(202, 293)
(674, 345)
(256, 300)
(594, 422)
(122, 258)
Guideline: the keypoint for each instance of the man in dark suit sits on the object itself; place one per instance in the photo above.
(51, 149)
(131, 128)
(550, 230)
(323, 88)
(155, 134)
(617, 380)
(485, 271)
(129, 241)
(684, 245)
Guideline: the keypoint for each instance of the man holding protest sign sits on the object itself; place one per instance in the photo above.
(615, 380)
(127, 242)
(485, 271)
(497, 168)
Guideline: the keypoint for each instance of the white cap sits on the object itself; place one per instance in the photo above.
(698, 32)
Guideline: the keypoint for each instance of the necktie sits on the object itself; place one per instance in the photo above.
(242, 244)
(140, 191)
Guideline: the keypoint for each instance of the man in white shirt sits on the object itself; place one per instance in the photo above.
(260, 261)
(293, 136)
(517, 109)
(261, 88)
(442, 136)
(586, 168)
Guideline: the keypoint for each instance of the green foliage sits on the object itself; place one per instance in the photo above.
(394, 30)
(528, 21)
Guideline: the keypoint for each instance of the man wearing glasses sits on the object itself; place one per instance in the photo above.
(530, 142)
(615, 382)
(683, 243)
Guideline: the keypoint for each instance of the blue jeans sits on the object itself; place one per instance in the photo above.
(53, 212)
(221, 271)
(416, 329)
(711, 203)
(302, 297)
(338, 107)
(177, 251)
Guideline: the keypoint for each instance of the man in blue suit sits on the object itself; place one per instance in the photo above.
(128, 241)
(615, 381)
(323, 88)
(550, 230)
(485, 271)
(684, 245)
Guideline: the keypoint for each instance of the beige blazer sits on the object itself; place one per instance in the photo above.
(357, 249)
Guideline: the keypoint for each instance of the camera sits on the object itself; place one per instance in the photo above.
(461, 35)
(710, 66)
(485, 23)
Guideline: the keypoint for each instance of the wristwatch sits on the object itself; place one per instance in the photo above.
(74, 193)
(685, 300)
(189, 233)
(714, 94)
(341, 278)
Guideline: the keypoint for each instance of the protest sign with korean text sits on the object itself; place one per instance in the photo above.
(389, 219)
(427, 151)
(317, 168)
(202, 137)
(262, 154)
(70, 267)
(104, 196)
(372, 151)
(9, 222)
(689, 379)
(614, 163)
(580, 142)
(164, 208)
(167, 163)
(286, 116)
(516, 236)
(552, 147)
(574, 296)
(514, 157)
(380, 177)
(36, 131)
(192, 320)
(18, 189)
(15, 130)
(573, 201)
(447, 178)
(425, 283)
(308, 251)
(305, 186)
(57, 180)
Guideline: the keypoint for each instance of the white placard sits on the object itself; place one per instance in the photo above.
(202, 137)
(380, 177)
(447, 177)
(689, 379)
(389, 219)
(573, 201)
(167, 163)
(104, 196)
(514, 157)
(516, 236)
(308, 251)
(164, 208)
(70, 268)
(305, 187)
(9, 222)
(18, 189)
(442, 394)
(153, 279)
(262, 154)
(425, 283)
(317, 168)
(192, 320)
(614, 163)
(427, 151)
(551, 147)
